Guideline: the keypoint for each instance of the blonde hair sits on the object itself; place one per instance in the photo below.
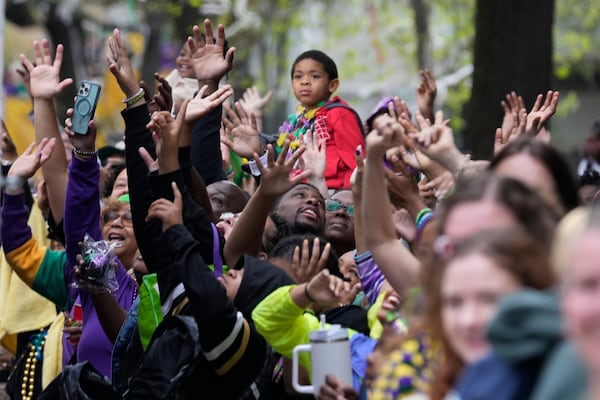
(568, 232)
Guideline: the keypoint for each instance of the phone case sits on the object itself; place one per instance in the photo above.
(85, 106)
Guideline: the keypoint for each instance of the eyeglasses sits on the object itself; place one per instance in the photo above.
(112, 215)
(333, 206)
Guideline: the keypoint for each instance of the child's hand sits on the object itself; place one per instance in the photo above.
(307, 265)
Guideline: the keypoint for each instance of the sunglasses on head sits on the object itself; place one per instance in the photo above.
(333, 206)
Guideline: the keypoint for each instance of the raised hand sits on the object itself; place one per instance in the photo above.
(400, 110)
(253, 102)
(85, 143)
(151, 163)
(440, 186)
(275, 176)
(163, 99)
(166, 131)
(241, 132)
(44, 75)
(402, 188)
(24, 73)
(207, 54)
(315, 157)
(540, 113)
(387, 134)
(519, 125)
(28, 163)
(356, 179)
(200, 105)
(512, 105)
(434, 139)
(307, 265)
(325, 288)
(120, 65)
(169, 212)
(426, 92)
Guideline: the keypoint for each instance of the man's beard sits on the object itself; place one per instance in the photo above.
(299, 227)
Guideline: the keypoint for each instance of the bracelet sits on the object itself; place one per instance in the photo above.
(78, 152)
(229, 171)
(135, 98)
(308, 295)
(13, 183)
(421, 214)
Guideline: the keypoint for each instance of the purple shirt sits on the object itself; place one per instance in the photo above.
(82, 215)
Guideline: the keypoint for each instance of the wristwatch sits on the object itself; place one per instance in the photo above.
(13, 183)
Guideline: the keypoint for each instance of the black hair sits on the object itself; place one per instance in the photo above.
(320, 57)
(552, 160)
(284, 250)
(282, 230)
(115, 170)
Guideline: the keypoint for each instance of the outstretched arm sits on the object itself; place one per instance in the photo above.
(383, 241)
(246, 236)
(45, 85)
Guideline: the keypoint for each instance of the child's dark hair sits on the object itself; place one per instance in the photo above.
(285, 249)
(317, 55)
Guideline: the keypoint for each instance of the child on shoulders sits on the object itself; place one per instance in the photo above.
(314, 80)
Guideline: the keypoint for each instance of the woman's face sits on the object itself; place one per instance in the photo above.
(117, 228)
(526, 169)
(470, 289)
(581, 299)
(339, 221)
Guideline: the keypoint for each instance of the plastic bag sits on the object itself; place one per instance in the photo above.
(99, 269)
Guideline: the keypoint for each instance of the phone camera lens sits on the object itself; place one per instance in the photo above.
(87, 90)
(80, 91)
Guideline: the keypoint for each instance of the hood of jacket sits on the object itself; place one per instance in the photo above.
(259, 280)
(527, 325)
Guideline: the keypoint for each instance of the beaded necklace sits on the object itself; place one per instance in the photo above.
(296, 126)
(35, 354)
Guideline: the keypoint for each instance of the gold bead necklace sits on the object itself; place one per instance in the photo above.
(33, 358)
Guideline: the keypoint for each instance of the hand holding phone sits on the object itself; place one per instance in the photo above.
(88, 95)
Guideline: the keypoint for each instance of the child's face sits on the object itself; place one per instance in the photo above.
(184, 62)
(311, 84)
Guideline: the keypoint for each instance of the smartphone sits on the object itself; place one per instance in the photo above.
(88, 95)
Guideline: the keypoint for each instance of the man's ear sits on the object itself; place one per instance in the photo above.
(333, 85)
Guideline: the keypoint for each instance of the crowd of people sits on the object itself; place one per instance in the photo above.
(151, 272)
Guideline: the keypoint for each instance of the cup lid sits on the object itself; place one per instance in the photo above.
(334, 333)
